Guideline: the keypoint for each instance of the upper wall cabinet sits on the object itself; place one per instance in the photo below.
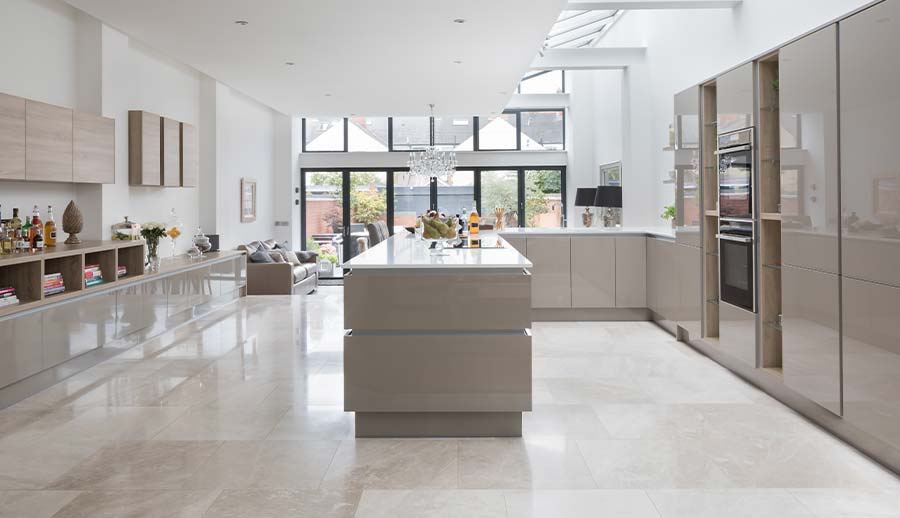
(734, 99)
(190, 155)
(94, 148)
(870, 112)
(48, 142)
(171, 153)
(687, 166)
(809, 151)
(144, 148)
(12, 137)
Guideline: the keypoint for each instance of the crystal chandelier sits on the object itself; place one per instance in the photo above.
(432, 162)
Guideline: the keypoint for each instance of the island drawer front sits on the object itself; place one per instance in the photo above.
(437, 373)
(437, 301)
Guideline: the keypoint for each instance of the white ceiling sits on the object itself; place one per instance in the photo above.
(388, 57)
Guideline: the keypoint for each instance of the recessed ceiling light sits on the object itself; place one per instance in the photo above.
(327, 95)
(457, 61)
(459, 20)
(242, 22)
(289, 63)
(502, 93)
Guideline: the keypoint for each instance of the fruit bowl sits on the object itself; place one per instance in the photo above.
(438, 231)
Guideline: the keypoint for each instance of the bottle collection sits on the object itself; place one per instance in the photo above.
(32, 235)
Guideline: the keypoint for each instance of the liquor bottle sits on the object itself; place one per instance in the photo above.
(38, 243)
(15, 223)
(5, 240)
(25, 235)
(21, 244)
(464, 222)
(36, 225)
(473, 222)
(50, 228)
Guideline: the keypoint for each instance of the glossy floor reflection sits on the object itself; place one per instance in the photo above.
(240, 414)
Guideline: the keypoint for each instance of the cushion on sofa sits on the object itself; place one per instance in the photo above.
(300, 273)
(277, 256)
(291, 257)
(261, 257)
(306, 256)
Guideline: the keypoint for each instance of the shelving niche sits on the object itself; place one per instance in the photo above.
(710, 188)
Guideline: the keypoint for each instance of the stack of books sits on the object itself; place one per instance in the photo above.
(53, 284)
(8, 296)
(121, 271)
(92, 275)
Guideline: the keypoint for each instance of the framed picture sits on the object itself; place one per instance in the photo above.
(248, 200)
(610, 174)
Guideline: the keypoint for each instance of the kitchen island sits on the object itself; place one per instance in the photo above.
(437, 346)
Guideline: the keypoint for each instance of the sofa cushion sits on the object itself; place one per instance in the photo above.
(300, 273)
(306, 256)
(291, 257)
(277, 256)
(261, 257)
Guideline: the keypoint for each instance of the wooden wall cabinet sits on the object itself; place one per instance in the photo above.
(12, 137)
(48, 143)
(170, 153)
(190, 155)
(734, 99)
(144, 145)
(94, 148)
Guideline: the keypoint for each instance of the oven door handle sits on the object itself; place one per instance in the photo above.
(735, 149)
(736, 239)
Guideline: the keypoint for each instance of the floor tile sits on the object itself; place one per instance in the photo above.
(138, 504)
(393, 464)
(544, 462)
(733, 503)
(283, 503)
(265, 464)
(314, 422)
(33, 504)
(431, 504)
(580, 504)
(850, 503)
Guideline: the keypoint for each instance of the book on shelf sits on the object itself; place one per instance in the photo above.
(121, 271)
(93, 274)
(9, 301)
(92, 266)
(93, 282)
(4, 291)
(53, 284)
(54, 291)
(48, 276)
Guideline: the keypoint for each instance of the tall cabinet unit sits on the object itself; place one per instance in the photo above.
(687, 167)
(709, 178)
(144, 148)
(811, 349)
(734, 99)
(870, 248)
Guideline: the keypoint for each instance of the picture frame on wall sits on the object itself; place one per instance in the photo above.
(248, 200)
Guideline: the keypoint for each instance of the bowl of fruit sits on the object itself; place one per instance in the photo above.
(438, 231)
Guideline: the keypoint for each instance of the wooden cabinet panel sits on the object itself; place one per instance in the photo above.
(811, 349)
(171, 153)
(631, 272)
(551, 284)
(190, 155)
(593, 269)
(94, 148)
(12, 137)
(144, 146)
(48, 143)
(734, 99)
(809, 151)
(869, 111)
(21, 344)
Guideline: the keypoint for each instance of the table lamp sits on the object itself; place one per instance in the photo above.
(584, 197)
(609, 197)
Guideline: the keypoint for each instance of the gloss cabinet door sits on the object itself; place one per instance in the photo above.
(48, 143)
(593, 272)
(734, 99)
(551, 283)
(12, 137)
(631, 272)
(21, 348)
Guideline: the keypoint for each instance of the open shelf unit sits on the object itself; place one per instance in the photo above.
(710, 187)
(769, 193)
(25, 272)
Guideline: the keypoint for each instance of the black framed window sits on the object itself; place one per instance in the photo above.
(324, 134)
(543, 130)
(498, 132)
(456, 133)
(543, 82)
(545, 203)
(410, 133)
(367, 134)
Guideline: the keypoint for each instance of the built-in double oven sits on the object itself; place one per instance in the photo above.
(736, 227)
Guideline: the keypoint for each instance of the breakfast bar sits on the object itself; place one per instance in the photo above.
(437, 345)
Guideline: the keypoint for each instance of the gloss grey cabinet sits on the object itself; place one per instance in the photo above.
(871, 345)
(662, 282)
(687, 167)
(74, 329)
(593, 272)
(689, 272)
(734, 99)
(178, 293)
(518, 243)
(551, 283)
(870, 113)
(130, 314)
(808, 100)
(21, 347)
(811, 341)
(737, 333)
(631, 272)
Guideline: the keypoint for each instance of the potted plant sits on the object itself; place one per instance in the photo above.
(152, 232)
(669, 214)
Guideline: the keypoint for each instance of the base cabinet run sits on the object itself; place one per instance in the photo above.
(47, 337)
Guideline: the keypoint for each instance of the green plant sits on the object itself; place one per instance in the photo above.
(329, 257)
(668, 212)
(776, 84)
(312, 246)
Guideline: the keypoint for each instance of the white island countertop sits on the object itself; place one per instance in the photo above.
(404, 251)
(663, 232)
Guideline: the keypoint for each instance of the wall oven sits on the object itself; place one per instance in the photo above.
(737, 264)
(735, 153)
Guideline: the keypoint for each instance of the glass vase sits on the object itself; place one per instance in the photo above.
(153, 256)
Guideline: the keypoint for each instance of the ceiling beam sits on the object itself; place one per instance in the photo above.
(581, 5)
(597, 58)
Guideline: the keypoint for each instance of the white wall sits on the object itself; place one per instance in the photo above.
(683, 49)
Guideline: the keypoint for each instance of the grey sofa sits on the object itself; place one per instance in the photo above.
(280, 278)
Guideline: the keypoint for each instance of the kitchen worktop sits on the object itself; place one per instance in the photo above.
(662, 232)
(404, 251)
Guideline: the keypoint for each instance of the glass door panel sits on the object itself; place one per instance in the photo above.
(324, 221)
(456, 193)
(412, 197)
(500, 190)
(368, 204)
(543, 198)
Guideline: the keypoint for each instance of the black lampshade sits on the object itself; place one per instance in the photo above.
(585, 196)
(608, 196)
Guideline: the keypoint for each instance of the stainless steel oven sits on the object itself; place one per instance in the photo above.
(737, 264)
(735, 153)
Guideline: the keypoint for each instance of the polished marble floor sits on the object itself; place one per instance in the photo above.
(239, 415)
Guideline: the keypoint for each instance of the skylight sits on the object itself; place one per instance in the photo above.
(579, 29)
